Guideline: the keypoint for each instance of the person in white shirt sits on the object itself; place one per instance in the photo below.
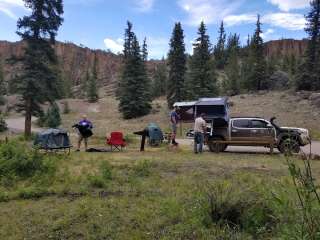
(200, 128)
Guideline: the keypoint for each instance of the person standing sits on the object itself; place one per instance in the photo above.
(200, 128)
(174, 120)
(84, 131)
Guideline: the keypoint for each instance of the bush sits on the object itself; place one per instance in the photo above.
(142, 168)
(100, 180)
(3, 124)
(96, 181)
(53, 116)
(66, 108)
(17, 160)
(106, 171)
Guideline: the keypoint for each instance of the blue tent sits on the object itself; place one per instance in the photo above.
(52, 139)
(155, 134)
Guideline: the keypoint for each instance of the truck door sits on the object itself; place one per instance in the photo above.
(240, 130)
(260, 131)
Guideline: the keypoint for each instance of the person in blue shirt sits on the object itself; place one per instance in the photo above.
(174, 120)
(84, 131)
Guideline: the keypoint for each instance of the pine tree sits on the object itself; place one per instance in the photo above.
(308, 77)
(232, 86)
(39, 81)
(145, 50)
(201, 81)
(53, 119)
(257, 77)
(160, 79)
(92, 92)
(177, 66)
(134, 93)
(219, 49)
(3, 89)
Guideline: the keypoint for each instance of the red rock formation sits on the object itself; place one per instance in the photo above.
(285, 47)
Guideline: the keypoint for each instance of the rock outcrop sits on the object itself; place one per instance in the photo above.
(285, 47)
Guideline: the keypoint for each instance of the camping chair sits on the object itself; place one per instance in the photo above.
(116, 141)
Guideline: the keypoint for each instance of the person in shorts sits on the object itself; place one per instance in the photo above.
(200, 128)
(174, 120)
(84, 132)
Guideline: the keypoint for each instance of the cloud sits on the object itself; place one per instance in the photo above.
(144, 5)
(232, 20)
(287, 5)
(209, 11)
(267, 34)
(7, 7)
(289, 21)
(115, 46)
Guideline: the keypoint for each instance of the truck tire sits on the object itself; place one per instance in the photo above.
(216, 147)
(289, 146)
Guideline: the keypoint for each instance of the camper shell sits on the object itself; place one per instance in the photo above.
(215, 109)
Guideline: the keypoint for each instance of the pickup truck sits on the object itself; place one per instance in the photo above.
(255, 131)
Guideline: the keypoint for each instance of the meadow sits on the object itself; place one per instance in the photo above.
(162, 193)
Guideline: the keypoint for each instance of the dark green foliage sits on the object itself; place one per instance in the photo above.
(66, 108)
(256, 78)
(134, 88)
(101, 179)
(219, 49)
(232, 85)
(160, 79)
(18, 161)
(177, 66)
(201, 79)
(92, 92)
(53, 119)
(3, 124)
(308, 77)
(39, 81)
(3, 89)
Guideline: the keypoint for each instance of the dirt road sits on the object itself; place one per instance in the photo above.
(315, 148)
(16, 125)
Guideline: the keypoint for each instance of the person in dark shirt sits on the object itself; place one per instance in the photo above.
(174, 120)
(84, 128)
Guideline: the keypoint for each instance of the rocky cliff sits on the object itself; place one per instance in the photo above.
(76, 61)
(285, 47)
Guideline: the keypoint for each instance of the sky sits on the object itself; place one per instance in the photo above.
(100, 24)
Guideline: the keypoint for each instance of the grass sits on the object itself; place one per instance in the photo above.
(157, 194)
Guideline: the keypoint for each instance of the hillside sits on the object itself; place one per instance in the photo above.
(75, 61)
(290, 110)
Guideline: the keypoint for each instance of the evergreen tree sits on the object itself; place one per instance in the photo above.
(257, 77)
(201, 81)
(39, 81)
(3, 89)
(160, 79)
(134, 93)
(308, 77)
(177, 66)
(232, 86)
(53, 119)
(145, 50)
(219, 49)
(92, 92)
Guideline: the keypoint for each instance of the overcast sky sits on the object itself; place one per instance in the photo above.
(99, 24)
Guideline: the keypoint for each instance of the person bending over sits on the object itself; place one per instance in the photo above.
(84, 128)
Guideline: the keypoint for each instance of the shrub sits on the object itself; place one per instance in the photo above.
(17, 160)
(66, 108)
(96, 181)
(106, 170)
(3, 124)
(247, 211)
(142, 168)
(32, 193)
(53, 116)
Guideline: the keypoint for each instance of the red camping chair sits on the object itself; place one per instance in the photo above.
(116, 140)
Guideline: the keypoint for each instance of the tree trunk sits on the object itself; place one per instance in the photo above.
(27, 123)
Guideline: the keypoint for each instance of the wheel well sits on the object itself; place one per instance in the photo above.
(292, 136)
(216, 136)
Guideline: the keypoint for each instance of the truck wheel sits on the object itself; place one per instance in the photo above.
(216, 147)
(289, 145)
